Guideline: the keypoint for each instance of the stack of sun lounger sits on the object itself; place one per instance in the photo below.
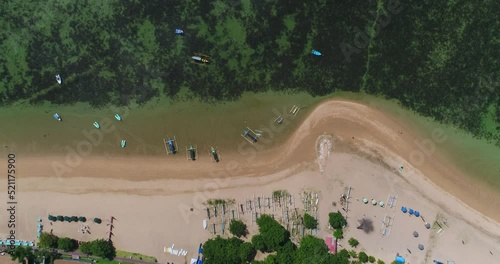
(173, 251)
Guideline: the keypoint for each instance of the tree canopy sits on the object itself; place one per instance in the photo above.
(67, 244)
(238, 228)
(273, 235)
(336, 220)
(48, 240)
(309, 221)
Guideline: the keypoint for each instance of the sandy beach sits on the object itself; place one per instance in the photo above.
(159, 201)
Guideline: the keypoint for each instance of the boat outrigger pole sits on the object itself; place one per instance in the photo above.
(170, 145)
(214, 154)
(191, 153)
(249, 135)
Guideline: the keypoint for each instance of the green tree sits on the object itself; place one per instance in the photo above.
(273, 234)
(220, 250)
(49, 256)
(48, 240)
(86, 248)
(103, 248)
(371, 259)
(247, 252)
(286, 254)
(338, 233)
(311, 250)
(336, 220)
(353, 242)
(310, 222)
(238, 228)
(67, 244)
(363, 257)
(22, 254)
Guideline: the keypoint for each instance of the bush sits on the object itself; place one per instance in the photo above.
(247, 252)
(238, 228)
(86, 248)
(371, 259)
(336, 220)
(353, 254)
(363, 257)
(67, 244)
(310, 222)
(48, 240)
(104, 249)
(338, 234)
(380, 262)
(353, 242)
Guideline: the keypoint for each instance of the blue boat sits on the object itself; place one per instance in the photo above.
(315, 53)
(57, 117)
(118, 117)
(179, 31)
(97, 125)
(124, 142)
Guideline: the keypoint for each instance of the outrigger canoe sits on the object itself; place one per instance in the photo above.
(316, 53)
(97, 125)
(118, 117)
(124, 142)
(57, 117)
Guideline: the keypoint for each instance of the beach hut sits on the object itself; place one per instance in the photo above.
(404, 210)
(420, 246)
(427, 225)
(381, 204)
(415, 233)
(365, 200)
(417, 214)
(374, 202)
(400, 260)
(410, 211)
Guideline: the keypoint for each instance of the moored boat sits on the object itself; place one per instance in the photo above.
(57, 117)
(179, 31)
(316, 53)
(124, 142)
(58, 79)
(118, 117)
(97, 125)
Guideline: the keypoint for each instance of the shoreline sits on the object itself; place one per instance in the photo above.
(344, 119)
(152, 196)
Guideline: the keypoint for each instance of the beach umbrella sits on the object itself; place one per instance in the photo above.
(410, 211)
(381, 204)
(427, 225)
(365, 200)
(67, 219)
(39, 225)
(74, 219)
(39, 219)
(52, 218)
(374, 202)
(60, 218)
(38, 235)
(38, 230)
(420, 246)
(417, 214)
(97, 220)
(415, 233)
(82, 219)
(404, 210)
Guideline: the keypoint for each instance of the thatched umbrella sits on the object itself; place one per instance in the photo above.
(427, 225)
(420, 246)
(415, 234)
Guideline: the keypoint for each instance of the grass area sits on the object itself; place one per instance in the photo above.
(125, 254)
(98, 260)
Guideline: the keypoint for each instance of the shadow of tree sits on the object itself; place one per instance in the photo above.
(366, 224)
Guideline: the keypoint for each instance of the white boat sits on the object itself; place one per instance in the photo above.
(124, 142)
(58, 79)
(118, 117)
(205, 224)
(96, 125)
